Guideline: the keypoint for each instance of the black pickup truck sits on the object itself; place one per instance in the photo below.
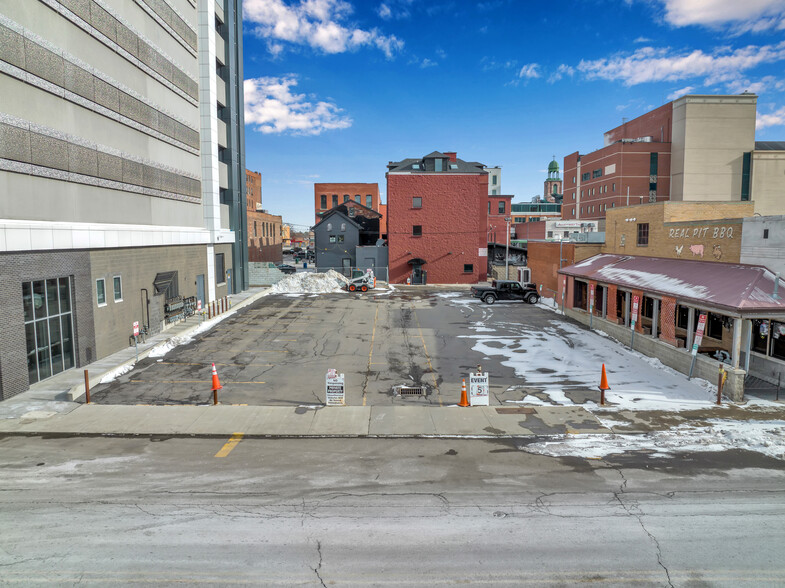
(506, 290)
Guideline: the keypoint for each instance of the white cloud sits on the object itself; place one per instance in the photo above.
(561, 71)
(384, 11)
(774, 119)
(427, 63)
(529, 71)
(681, 92)
(640, 40)
(272, 108)
(648, 64)
(320, 24)
(742, 15)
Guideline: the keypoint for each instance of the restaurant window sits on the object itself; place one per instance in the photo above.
(621, 303)
(713, 326)
(760, 336)
(778, 340)
(643, 234)
(599, 305)
(683, 317)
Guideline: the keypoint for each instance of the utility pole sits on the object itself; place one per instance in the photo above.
(507, 254)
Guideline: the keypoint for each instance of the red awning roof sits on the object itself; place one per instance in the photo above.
(747, 289)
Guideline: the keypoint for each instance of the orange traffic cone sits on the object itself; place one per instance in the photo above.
(216, 385)
(603, 385)
(464, 400)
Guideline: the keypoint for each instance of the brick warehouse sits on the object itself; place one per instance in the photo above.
(437, 220)
(327, 196)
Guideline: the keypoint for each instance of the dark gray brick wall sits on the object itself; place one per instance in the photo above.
(16, 268)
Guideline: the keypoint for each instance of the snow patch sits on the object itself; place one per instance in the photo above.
(117, 372)
(766, 437)
(167, 346)
(309, 283)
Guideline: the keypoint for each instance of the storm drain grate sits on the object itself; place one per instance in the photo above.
(409, 390)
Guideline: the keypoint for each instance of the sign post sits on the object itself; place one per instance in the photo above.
(635, 300)
(479, 389)
(136, 339)
(698, 338)
(591, 304)
(335, 389)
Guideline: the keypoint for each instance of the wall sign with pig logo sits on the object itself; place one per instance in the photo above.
(703, 233)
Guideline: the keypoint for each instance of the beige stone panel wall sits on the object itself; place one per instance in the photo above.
(43, 21)
(35, 198)
(38, 106)
(138, 19)
(137, 269)
(768, 182)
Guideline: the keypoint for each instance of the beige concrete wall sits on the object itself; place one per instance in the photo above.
(710, 136)
(768, 182)
(705, 231)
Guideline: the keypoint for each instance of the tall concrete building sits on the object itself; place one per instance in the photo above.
(122, 174)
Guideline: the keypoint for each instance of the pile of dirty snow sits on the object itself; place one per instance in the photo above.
(310, 283)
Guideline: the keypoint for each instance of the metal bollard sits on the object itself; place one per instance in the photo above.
(86, 387)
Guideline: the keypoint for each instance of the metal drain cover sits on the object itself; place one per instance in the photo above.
(409, 390)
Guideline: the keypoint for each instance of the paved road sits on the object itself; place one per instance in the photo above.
(277, 351)
(380, 513)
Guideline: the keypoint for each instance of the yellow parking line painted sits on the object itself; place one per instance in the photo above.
(286, 340)
(229, 445)
(428, 357)
(370, 352)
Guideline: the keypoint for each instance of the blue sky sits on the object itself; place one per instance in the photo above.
(335, 89)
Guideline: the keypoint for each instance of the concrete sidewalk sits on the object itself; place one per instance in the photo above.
(313, 421)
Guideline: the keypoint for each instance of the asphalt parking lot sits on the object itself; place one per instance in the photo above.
(277, 351)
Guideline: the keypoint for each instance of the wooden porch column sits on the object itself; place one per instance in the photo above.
(736, 350)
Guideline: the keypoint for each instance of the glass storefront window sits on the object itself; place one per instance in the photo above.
(778, 340)
(48, 327)
(760, 336)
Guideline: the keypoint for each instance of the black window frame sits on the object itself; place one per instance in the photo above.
(643, 235)
(416, 230)
(323, 201)
(470, 267)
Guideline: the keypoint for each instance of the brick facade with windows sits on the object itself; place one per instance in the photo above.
(329, 195)
(499, 209)
(453, 219)
(265, 230)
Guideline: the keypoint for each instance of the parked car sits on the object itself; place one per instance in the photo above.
(286, 268)
(506, 290)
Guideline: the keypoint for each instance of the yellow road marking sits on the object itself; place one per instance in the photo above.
(428, 357)
(370, 353)
(286, 340)
(229, 445)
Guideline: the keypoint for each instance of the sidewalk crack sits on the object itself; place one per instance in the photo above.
(319, 565)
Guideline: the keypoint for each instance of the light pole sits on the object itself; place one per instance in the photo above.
(507, 254)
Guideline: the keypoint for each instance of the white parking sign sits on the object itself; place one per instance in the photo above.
(335, 388)
(479, 389)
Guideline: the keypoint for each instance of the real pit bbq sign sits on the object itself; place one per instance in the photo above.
(335, 388)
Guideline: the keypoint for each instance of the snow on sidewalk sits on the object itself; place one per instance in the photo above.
(766, 437)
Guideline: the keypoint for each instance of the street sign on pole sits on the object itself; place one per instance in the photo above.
(479, 389)
(697, 341)
(136, 339)
(136, 328)
(635, 300)
(335, 388)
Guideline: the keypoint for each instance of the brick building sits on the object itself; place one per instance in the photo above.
(265, 230)
(328, 196)
(696, 148)
(499, 208)
(708, 231)
(437, 220)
